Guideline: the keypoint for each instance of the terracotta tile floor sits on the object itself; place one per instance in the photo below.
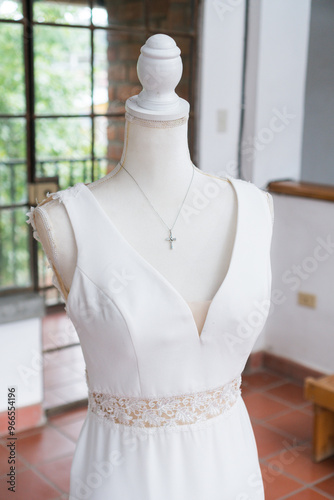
(281, 419)
(282, 423)
(64, 370)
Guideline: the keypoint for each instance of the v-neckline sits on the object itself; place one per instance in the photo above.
(183, 303)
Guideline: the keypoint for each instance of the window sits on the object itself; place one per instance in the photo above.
(67, 69)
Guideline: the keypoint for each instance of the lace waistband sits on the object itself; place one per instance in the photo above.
(165, 411)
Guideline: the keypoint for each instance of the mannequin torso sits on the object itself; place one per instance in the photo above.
(163, 353)
(156, 154)
(159, 160)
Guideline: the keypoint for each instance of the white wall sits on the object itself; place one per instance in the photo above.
(21, 362)
(302, 262)
(275, 87)
(220, 85)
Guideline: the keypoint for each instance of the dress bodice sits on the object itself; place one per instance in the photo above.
(138, 326)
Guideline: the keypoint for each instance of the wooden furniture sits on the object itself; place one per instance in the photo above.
(321, 392)
(303, 189)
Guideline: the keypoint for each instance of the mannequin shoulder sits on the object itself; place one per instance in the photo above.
(40, 216)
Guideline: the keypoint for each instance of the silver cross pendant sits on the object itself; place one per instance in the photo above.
(171, 239)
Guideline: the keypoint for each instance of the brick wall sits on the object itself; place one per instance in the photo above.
(124, 50)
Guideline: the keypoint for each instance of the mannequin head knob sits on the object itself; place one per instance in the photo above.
(159, 70)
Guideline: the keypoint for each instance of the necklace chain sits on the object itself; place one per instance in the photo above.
(170, 229)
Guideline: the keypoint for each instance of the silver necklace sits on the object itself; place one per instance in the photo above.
(170, 229)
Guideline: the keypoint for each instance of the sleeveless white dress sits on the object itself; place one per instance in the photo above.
(166, 419)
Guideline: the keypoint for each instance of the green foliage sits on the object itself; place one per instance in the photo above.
(61, 12)
(62, 71)
(12, 99)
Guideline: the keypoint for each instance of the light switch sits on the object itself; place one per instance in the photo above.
(221, 120)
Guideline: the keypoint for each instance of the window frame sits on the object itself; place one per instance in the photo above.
(31, 117)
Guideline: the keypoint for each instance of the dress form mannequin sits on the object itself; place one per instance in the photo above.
(156, 153)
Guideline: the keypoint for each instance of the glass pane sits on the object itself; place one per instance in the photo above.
(100, 71)
(115, 69)
(12, 98)
(63, 148)
(62, 70)
(63, 334)
(173, 15)
(10, 10)
(13, 182)
(51, 295)
(13, 168)
(14, 248)
(109, 136)
(100, 168)
(62, 12)
(118, 12)
(64, 378)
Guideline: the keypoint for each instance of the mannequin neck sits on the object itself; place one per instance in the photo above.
(156, 152)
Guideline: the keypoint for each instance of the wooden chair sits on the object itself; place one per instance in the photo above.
(321, 392)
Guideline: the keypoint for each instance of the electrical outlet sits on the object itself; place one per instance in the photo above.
(307, 299)
(221, 120)
(38, 191)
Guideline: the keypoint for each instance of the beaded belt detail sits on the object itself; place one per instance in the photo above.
(164, 411)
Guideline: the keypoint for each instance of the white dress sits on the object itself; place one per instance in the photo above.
(166, 419)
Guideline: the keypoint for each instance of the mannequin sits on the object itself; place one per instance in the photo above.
(156, 154)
